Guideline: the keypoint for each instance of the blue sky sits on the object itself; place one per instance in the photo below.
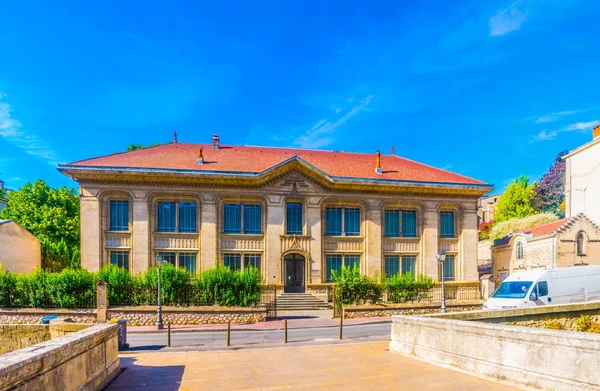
(489, 89)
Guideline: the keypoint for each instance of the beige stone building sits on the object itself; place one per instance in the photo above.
(295, 214)
(486, 207)
(20, 251)
(567, 242)
(582, 187)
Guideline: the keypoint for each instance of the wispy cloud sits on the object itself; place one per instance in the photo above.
(555, 116)
(321, 134)
(507, 20)
(546, 134)
(10, 129)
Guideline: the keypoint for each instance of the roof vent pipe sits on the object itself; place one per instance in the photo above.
(216, 141)
(200, 156)
(378, 163)
(175, 137)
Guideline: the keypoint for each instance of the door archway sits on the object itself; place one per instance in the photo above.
(294, 279)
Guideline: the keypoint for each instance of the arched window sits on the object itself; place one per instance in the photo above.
(581, 244)
(519, 250)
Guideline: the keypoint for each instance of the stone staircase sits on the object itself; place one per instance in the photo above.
(300, 301)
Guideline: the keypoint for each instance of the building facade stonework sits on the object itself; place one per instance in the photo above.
(295, 214)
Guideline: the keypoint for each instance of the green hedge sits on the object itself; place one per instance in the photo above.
(76, 288)
(352, 288)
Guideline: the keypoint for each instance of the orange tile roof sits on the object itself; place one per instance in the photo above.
(247, 159)
(546, 229)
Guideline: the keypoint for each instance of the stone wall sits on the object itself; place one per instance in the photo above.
(34, 315)
(15, 337)
(384, 310)
(85, 360)
(146, 316)
(523, 357)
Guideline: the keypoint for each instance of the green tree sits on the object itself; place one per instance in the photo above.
(133, 147)
(515, 203)
(52, 215)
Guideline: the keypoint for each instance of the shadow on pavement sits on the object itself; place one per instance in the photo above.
(158, 377)
(145, 347)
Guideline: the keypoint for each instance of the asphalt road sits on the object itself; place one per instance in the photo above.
(257, 339)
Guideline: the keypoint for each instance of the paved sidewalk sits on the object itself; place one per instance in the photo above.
(294, 322)
(365, 366)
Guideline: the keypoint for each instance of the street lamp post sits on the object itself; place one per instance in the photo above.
(160, 262)
(441, 257)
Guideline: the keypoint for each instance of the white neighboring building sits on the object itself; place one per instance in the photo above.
(582, 187)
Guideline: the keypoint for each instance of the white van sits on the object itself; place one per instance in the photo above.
(532, 288)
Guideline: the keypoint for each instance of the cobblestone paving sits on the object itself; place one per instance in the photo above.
(365, 366)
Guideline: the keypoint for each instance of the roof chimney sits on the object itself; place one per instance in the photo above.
(200, 156)
(392, 150)
(378, 163)
(175, 137)
(216, 141)
(596, 132)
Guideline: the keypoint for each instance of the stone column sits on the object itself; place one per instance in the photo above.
(315, 231)
(468, 246)
(91, 234)
(101, 301)
(272, 241)
(208, 234)
(140, 243)
(373, 241)
(430, 241)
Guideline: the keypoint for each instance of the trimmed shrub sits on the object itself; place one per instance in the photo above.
(353, 288)
(402, 288)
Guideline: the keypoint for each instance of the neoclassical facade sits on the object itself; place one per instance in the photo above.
(297, 215)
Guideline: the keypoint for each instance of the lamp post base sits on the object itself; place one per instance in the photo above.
(443, 310)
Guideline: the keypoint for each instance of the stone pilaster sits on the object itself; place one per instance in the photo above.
(315, 231)
(468, 247)
(430, 241)
(140, 255)
(373, 235)
(208, 234)
(91, 235)
(272, 241)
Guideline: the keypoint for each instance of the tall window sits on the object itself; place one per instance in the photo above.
(187, 217)
(447, 225)
(448, 269)
(293, 216)
(519, 250)
(170, 257)
(409, 264)
(336, 261)
(342, 222)
(233, 261)
(167, 216)
(120, 258)
(242, 218)
(119, 215)
(187, 261)
(398, 222)
(394, 264)
(581, 244)
(252, 260)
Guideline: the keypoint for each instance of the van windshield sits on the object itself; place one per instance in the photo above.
(512, 290)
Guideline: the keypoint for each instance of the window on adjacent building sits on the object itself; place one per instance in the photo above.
(398, 222)
(447, 270)
(170, 257)
(409, 223)
(352, 261)
(119, 215)
(519, 250)
(392, 223)
(233, 261)
(342, 222)
(120, 259)
(167, 216)
(242, 218)
(392, 265)
(447, 224)
(581, 244)
(187, 261)
(252, 260)
(293, 216)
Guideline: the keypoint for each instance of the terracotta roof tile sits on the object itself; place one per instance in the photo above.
(546, 229)
(246, 159)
